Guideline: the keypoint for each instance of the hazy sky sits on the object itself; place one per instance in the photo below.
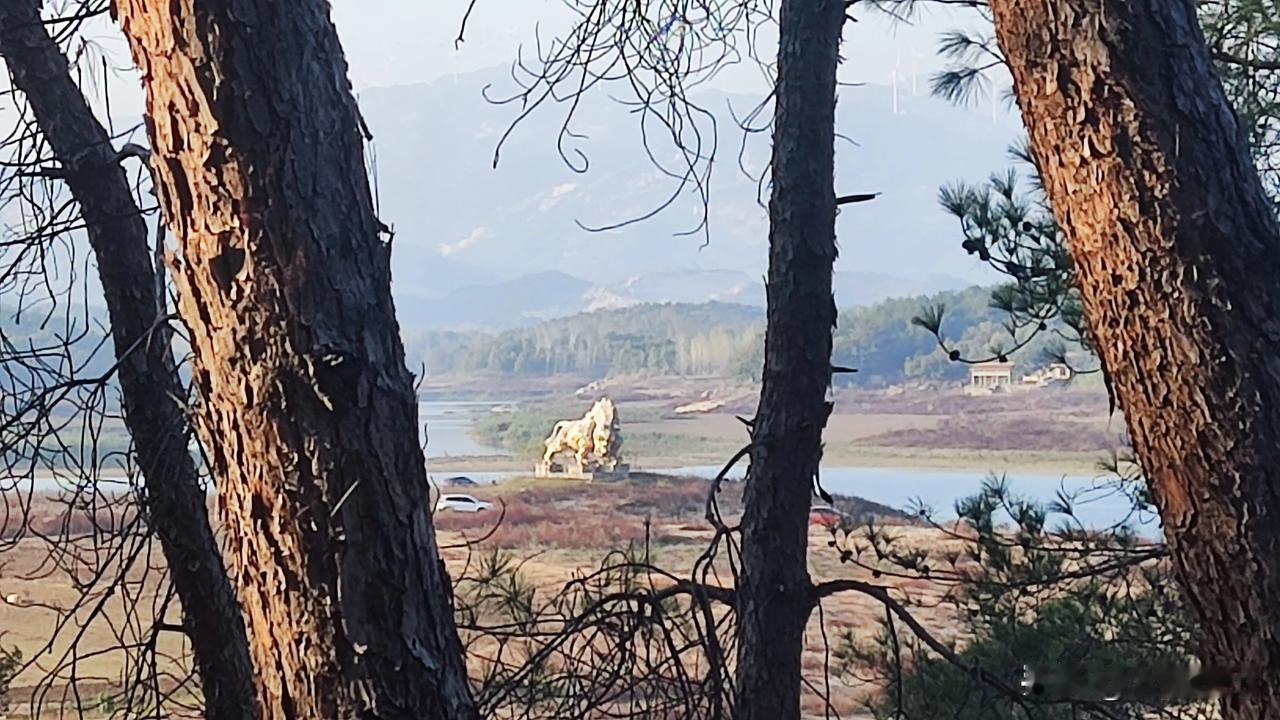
(396, 42)
(390, 42)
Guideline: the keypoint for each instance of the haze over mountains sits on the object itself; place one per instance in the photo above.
(482, 248)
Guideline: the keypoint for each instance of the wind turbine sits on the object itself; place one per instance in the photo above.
(915, 57)
(894, 76)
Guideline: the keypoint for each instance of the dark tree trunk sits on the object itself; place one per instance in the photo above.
(1178, 255)
(173, 498)
(307, 407)
(775, 595)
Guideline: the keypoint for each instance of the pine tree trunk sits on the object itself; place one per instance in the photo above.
(1178, 256)
(174, 499)
(775, 594)
(307, 407)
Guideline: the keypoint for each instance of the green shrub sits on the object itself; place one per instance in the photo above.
(1101, 605)
(10, 663)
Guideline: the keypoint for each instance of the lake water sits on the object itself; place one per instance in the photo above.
(449, 424)
(1096, 504)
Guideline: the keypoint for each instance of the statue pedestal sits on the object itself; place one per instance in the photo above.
(559, 471)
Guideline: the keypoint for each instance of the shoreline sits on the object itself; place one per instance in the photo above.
(889, 458)
(1022, 462)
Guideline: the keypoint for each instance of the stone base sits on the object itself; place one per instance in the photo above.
(559, 471)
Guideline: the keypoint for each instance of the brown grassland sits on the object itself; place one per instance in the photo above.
(556, 530)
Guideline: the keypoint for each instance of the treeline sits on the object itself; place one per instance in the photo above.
(667, 339)
(44, 341)
(887, 348)
(706, 339)
(727, 340)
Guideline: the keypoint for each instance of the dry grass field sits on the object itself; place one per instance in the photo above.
(557, 530)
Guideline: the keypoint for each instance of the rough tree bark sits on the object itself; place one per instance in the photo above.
(1178, 255)
(775, 595)
(173, 498)
(307, 407)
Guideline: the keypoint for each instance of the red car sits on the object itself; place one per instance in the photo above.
(827, 517)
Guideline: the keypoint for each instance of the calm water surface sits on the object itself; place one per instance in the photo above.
(448, 424)
(1096, 504)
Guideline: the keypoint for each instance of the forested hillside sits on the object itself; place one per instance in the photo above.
(681, 339)
(717, 339)
(722, 339)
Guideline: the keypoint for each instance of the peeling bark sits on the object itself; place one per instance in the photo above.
(775, 594)
(174, 499)
(1178, 255)
(306, 406)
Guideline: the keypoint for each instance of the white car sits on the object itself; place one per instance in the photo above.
(461, 503)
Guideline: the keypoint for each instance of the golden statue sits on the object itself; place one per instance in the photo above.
(595, 440)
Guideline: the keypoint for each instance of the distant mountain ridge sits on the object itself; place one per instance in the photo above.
(461, 224)
(725, 339)
(508, 303)
(533, 298)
